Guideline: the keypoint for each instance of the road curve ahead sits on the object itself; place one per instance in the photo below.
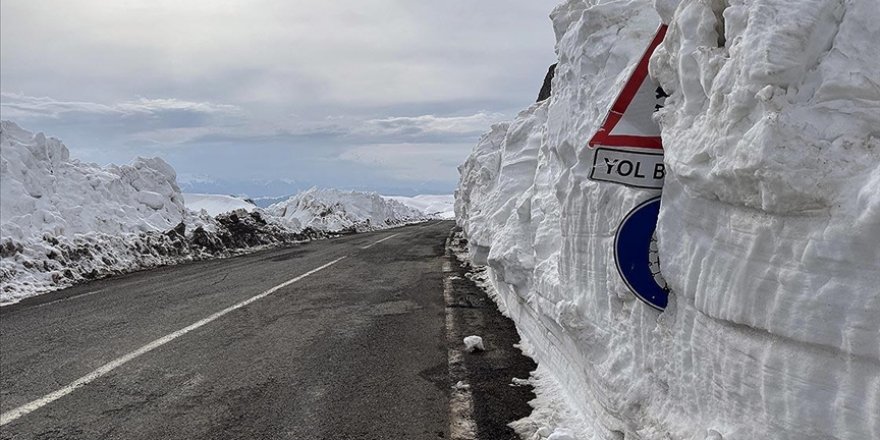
(334, 339)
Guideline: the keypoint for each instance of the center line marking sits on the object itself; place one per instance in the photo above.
(27, 408)
(379, 241)
(82, 295)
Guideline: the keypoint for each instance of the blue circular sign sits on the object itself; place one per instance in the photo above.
(635, 251)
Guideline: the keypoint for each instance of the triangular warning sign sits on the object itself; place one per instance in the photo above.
(629, 123)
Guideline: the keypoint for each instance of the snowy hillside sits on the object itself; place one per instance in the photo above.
(440, 206)
(333, 210)
(769, 227)
(215, 204)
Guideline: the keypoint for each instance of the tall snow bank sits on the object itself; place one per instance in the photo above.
(769, 232)
(774, 128)
(44, 191)
(64, 221)
(332, 210)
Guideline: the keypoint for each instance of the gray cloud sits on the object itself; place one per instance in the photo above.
(233, 90)
(411, 162)
(432, 124)
(20, 106)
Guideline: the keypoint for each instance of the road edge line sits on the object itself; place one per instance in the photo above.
(462, 425)
(27, 408)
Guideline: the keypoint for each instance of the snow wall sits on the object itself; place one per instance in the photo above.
(769, 229)
(45, 191)
(63, 221)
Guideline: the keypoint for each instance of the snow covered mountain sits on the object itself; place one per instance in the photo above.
(335, 210)
(440, 206)
(216, 204)
(769, 226)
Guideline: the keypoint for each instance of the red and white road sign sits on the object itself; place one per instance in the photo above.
(629, 122)
(628, 148)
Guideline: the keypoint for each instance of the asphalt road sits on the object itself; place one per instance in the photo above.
(355, 350)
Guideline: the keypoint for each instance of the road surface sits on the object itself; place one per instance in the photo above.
(333, 339)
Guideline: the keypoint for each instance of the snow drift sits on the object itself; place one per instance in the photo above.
(333, 210)
(769, 230)
(216, 204)
(63, 221)
(439, 206)
(44, 191)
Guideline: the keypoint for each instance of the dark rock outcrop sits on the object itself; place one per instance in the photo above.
(546, 88)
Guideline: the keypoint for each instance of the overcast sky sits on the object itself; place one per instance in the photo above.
(266, 97)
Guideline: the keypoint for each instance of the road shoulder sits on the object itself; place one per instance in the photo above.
(485, 396)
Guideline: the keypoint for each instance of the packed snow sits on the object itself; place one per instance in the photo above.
(439, 206)
(769, 229)
(336, 211)
(473, 343)
(216, 204)
(552, 416)
(44, 191)
(63, 221)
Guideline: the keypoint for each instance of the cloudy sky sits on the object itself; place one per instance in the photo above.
(266, 97)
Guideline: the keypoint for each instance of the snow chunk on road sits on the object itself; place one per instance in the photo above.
(473, 343)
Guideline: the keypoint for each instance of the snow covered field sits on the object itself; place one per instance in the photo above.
(769, 229)
(63, 221)
(215, 204)
(440, 206)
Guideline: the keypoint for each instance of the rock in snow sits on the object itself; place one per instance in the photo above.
(63, 221)
(769, 230)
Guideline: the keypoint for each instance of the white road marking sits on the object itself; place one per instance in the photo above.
(379, 241)
(70, 298)
(27, 408)
(462, 425)
(429, 223)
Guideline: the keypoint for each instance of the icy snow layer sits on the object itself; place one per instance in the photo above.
(552, 418)
(769, 229)
(439, 206)
(215, 204)
(333, 210)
